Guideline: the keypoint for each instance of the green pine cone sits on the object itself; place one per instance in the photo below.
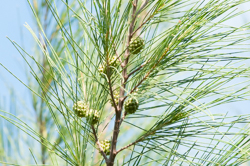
(131, 105)
(103, 68)
(136, 45)
(116, 97)
(105, 144)
(80, 108)
(92, 116)
(114, 61)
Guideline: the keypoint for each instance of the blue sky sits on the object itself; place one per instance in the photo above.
(13, 14)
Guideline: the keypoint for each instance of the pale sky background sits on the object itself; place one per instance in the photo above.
(13, 15)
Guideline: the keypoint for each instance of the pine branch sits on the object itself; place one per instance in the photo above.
(148, 19)
(148, 73)
(137, 69)
(122, 90)
(192, 62)
(98, 144)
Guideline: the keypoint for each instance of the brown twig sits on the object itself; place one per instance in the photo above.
(138, 69)
(146, 135)
(138, 12)
(148, 73)
(125, 75)
(142, 24)
(98, 144)
(147, 18)
(139, 140)
(142, 6)
(133, 143)
(122, 90)
(109, 75)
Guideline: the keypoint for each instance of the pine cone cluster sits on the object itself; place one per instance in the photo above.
(92, 116)
(116, 97)
(80, 108)
(105, 144)
(113, 63)
(136, 45)
(131, 105)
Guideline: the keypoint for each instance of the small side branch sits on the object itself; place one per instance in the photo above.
(135, 142)
(141, 8)
(148, 73)
(139, 68)
(149, 18)
(132, 24)
(98, 144)
(122, 89)
(127, 146)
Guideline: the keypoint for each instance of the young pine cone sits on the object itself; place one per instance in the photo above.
(113, 63)
(136, 45)
(105, 144)
(131, 105)
(92, 116)
(116, 98)
(80, 108)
